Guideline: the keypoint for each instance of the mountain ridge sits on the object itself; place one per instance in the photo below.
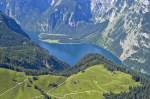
(17, 51)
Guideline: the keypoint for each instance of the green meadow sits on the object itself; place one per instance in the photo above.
(17, 85)
(91, 83)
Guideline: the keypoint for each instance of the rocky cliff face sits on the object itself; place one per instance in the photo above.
(127, 34)
(122, 26)
(70, 17)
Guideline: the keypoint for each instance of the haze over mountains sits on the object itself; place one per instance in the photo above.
(122, 26)
(58, 49)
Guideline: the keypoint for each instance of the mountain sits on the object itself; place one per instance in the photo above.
(31, 72)
(122, 26)
(127, 34)
(17, 51)
(55, 16)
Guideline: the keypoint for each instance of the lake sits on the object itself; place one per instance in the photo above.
(73, 52)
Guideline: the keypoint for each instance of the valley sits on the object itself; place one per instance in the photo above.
(120, 26)
(74, 49)
(70, 51)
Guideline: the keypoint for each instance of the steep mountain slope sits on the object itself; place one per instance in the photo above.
(127, 35)
(122, 26)
(18, 51)
(70, 17)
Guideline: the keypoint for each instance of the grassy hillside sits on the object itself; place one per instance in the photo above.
(13, 85)
(93, 83)
(17, 85)
(89, 84)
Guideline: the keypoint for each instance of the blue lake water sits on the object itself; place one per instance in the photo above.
(72, 53)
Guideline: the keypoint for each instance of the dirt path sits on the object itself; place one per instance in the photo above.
(12, 87)
(75, 93)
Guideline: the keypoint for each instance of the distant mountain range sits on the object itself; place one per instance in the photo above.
(122, 26)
